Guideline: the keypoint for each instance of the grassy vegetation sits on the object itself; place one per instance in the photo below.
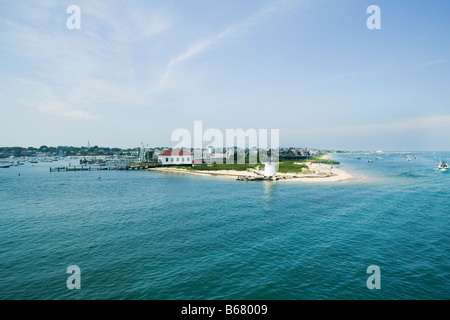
(318, 159)
(325, 161)
(290, 166)
(286, 166)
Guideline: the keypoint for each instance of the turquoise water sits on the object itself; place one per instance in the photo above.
(154, 235)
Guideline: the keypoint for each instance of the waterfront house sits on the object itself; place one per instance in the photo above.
(175, 157)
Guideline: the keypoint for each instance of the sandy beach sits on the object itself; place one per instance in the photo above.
(318, 172)
(321, 173)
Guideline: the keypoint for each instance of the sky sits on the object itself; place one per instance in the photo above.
(136, 71)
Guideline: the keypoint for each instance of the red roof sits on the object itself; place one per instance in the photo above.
(175, 152)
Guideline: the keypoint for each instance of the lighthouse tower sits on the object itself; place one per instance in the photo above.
(270, 169)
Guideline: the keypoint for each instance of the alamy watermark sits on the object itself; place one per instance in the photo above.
(74, 280)
(235, 146)
(374, 21)
(74, 20)
(374, 280)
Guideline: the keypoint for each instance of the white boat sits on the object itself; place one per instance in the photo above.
(443, 165)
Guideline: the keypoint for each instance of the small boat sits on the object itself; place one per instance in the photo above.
(443, 165)
(4, 166)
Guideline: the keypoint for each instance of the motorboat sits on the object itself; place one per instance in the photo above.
(443, 165)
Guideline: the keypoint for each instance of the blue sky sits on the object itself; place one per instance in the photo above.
(138, 70)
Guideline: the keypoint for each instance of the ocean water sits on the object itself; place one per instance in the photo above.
(153, 235)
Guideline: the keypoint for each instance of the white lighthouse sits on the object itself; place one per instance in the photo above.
(270, 169)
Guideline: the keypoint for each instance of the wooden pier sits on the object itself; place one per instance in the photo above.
(104, 168)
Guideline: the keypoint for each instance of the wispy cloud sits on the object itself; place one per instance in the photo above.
(42, 98)
(73, 71)
(201, 46)
(189, 53)
(431, 63)
(99, 64)
(61, 109)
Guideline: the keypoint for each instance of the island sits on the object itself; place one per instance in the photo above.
(317, 169)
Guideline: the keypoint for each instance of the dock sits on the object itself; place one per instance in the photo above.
(104, 168)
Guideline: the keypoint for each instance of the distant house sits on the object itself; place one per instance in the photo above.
(294, 153)
(175, 157)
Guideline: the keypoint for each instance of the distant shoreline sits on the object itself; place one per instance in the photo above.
(319, 173)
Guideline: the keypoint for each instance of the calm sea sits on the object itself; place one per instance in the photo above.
(154, 235)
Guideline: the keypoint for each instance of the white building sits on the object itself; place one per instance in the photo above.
(175, 157)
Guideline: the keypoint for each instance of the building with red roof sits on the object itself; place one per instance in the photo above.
(175, 157)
